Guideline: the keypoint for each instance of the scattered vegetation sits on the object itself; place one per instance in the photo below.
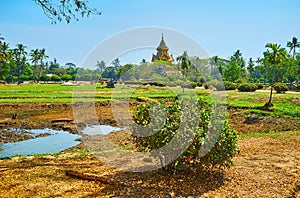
(280, 87)
(247, 87)
(197, 114)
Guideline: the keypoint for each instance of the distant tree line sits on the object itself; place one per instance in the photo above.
(277, 64)
(18, 65)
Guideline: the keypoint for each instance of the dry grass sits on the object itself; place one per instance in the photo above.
(266, 167)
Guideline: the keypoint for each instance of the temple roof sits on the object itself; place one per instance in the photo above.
(162, 44)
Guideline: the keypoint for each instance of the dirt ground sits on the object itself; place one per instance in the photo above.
(265, 167)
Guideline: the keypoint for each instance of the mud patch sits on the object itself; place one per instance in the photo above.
(245, 122)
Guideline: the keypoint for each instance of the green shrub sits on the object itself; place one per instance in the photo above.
(157, 84)
(247, 87)
(216, 84)
(193, 84)
(55, 78)
(222, 152)
(259, 86)
(295, 87)
(280, 87)
(241, 81)
(66, 77)
(229, 85)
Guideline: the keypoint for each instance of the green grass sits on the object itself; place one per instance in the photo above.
(283, 134)
(253, 101)
(285, 104)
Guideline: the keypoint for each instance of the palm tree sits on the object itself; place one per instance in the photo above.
(19, 54)
(4, 59)
(213, 63)
(35, 57)
(293, 45)
(101, 66)
(237, 55)
(4, 51)
(274, 56)
(185, 64)
(250, 67)
(43, 56)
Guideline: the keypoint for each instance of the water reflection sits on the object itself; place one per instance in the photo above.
(57, 141)
(99, 129)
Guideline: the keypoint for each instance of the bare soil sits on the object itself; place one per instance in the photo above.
(265, 166)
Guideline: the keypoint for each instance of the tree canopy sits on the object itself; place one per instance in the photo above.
(66, 10)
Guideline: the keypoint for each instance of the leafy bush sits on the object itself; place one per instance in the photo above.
(295, 87)
(280, 87)
(55, 78)
(45, 78)
(241, 81)
(229, 85)
(222, 152)
(259, 86)
(66, 77)
(214, 83)
(247, 87)
(193, 84)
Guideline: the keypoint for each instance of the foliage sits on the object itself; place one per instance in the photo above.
(247, 87)
(66, 9)
(110, 72)
(220, 155)
(229, 85)
(55, 78)
(295, 87)
(274, 56)
(193, 84)
(66, 77)
(293, 45)
(280, 87)
(259, 85)
(215, 84)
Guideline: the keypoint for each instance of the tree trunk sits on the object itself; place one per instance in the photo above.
(269, 103)
(34, 73)
(19, 75)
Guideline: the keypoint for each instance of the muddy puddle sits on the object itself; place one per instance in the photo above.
(41, 141)
(55, 141)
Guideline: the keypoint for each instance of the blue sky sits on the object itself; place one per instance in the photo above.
(220, 27)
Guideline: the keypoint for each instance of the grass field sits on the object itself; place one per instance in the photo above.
(285, 104)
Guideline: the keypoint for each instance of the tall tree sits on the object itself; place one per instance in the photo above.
(19, 54)
(4, 51)
(293, 45)
(5, 57)
(274, 56)
(116, 63)
(43, 56)
(66, 10)
(214, 63)
(35, 57)
(250, 67)
(101, 66)
(185, 63)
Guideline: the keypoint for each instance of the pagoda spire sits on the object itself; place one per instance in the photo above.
(162, 51)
